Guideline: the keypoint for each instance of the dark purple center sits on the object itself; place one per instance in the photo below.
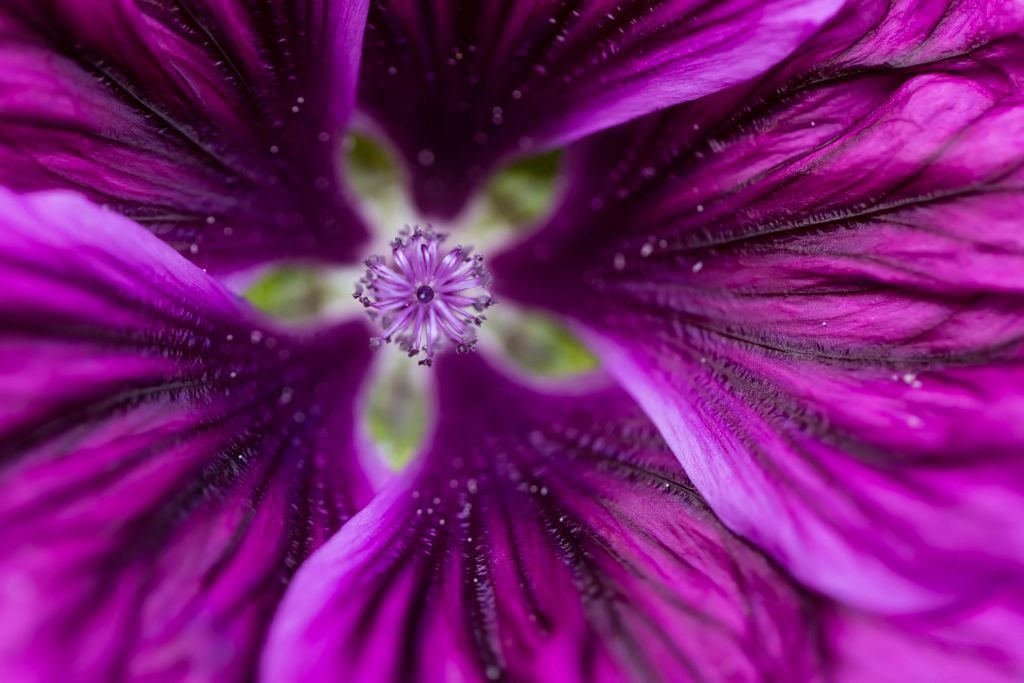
(424, 294)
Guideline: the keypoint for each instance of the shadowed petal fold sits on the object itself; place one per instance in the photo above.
(540, 537)
(460, 85)
(167, 460)
(216, 125)
(815, 287)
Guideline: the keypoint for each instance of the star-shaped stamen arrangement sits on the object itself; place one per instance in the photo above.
(424, 298)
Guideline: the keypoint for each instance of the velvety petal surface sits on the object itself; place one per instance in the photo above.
(459, 85)
(215, 124)
(167, 459)
(980, 644)
(815, 286)
(540, 537)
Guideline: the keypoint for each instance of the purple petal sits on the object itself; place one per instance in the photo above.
(542, 537)
(818, 299)
(460, 86)
(166, 459)
(980, 645)
(214, 124)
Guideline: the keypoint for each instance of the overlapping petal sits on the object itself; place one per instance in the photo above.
(460, 85)
(541, 537)
(817, 296)
(167, 460)
(215, 124)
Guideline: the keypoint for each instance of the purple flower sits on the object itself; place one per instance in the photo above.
(790, 230)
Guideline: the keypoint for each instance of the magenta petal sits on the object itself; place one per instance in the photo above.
(980, 645)
(215, 124)
(460, 85)
(167, 460)
(542, 537)
(817, 295)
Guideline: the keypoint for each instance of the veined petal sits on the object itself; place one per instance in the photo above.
(214, 124)
(818, 298)
(540, 537)
(459, 86)
(167, 460)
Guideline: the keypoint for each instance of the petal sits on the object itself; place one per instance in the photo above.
(214, 124)
(980, 645)
(542, 537)
(166, 459)
(818, 299)
(460, 86)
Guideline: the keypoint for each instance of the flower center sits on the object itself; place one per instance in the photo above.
(425, 294)
(424, 298)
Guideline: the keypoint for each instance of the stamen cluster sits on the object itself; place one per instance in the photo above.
(423, 299)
